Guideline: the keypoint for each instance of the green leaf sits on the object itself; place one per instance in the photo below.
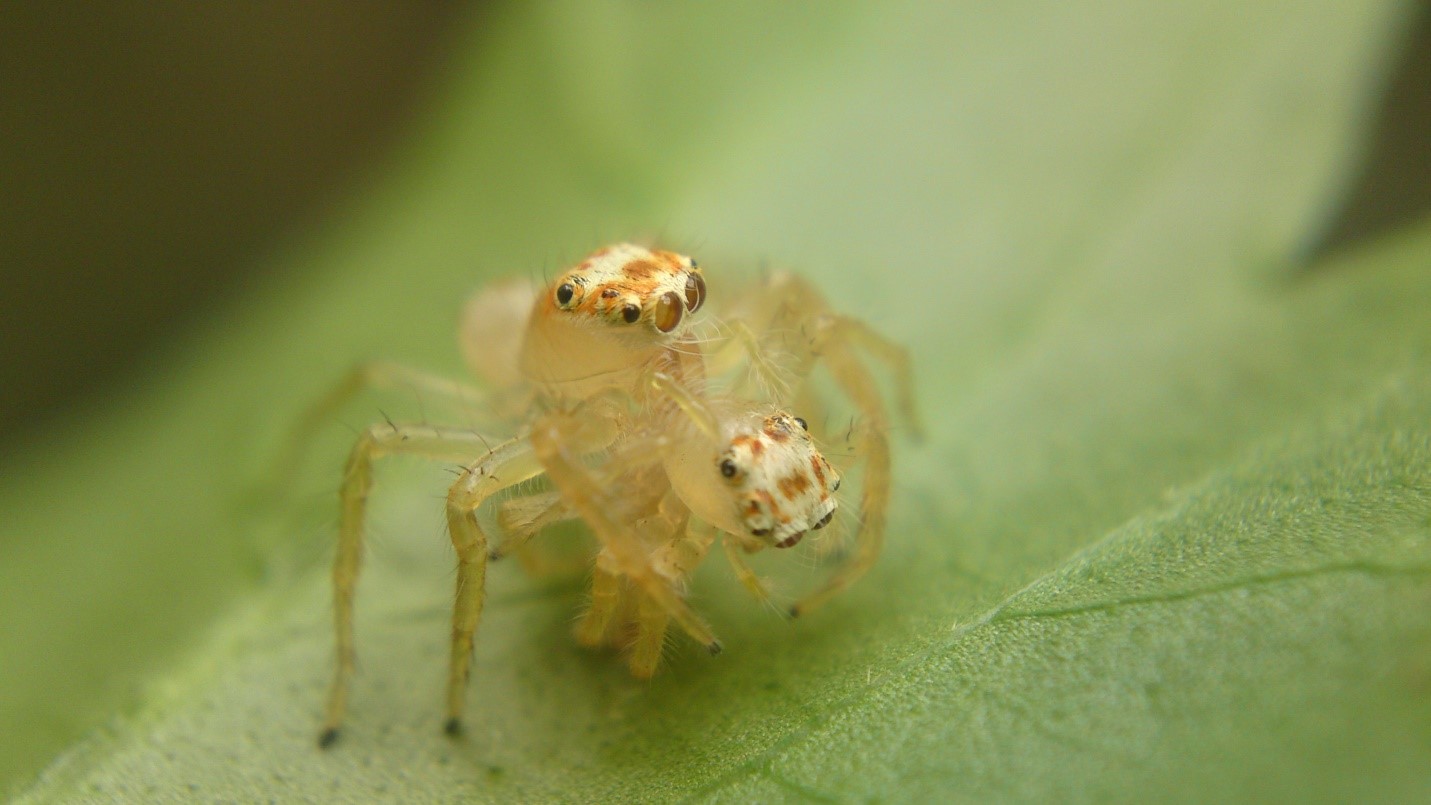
(1170, 535)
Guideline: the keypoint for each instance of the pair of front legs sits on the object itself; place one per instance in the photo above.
(509, 463)
(554, 446)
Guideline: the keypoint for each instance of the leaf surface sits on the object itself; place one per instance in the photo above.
(1171, 531)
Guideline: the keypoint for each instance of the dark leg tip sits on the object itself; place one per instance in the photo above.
(453, 727)
(327, 738)
(493, 555)
(795, 611)
(714, 647)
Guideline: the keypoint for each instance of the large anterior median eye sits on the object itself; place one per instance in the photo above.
(668, 312)
(564, 293)
(695, 292)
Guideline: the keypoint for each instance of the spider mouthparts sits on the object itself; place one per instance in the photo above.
(790, 541)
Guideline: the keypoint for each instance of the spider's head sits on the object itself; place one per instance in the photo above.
(783, 485)
(638, 293)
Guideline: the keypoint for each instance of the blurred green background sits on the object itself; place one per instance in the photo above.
(208, 212)
(153, 152)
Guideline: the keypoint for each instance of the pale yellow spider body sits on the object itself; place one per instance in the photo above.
(616, 394)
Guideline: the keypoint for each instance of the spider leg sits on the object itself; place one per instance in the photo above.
(791, 314)
(871, 445)
(675, 561)
(443, 444)
(524, 517)
(735, 552)
(370, 375)
(758, 368)
(892, 355)
(508, 464)
(595, 503)
(788, 304)
(594, 628)
(652, 620)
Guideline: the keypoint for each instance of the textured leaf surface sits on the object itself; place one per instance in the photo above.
(1171, 531)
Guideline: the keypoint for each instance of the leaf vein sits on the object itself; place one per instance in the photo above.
(1004, 614)
(763, 763)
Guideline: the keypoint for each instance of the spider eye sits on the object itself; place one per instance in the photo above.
(630, 313)
(824, 521)
(727, 468)
(695, 291)
(760, 532)
(564, 293)
(693, 262)
(802, 423)
(668, 312)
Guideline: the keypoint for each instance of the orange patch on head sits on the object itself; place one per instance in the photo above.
(815, 464)
(592, 303)
(772, 506)
(640, 269)
(792, 485)
(749, 443)
(671, 259)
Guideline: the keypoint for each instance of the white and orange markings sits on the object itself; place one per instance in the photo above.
(783, 486)
(618, 415)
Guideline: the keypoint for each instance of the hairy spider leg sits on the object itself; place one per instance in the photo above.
(645, 651)
(366, 376)
(675, 560)
(509, 464)
(792, 314)
(593, 629)
(551, 438)
(735, 550)
(615, 599)
(522, 518)
(784, 307)
(871, 446)
(438, 444)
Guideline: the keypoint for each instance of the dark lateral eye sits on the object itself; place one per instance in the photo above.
(824, 521)
(695, 292)
(630, 313)
(727, 468)
(564, 293)
(760, 532)
(802, 423)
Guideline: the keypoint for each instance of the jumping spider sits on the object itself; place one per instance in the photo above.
(622, 418)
